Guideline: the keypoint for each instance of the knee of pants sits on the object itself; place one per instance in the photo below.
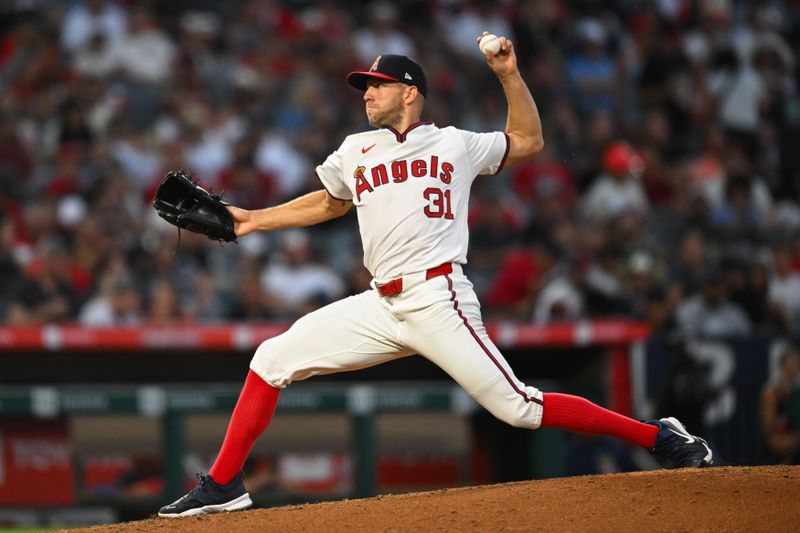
(527, 419)
(513, 410)
(271, 364)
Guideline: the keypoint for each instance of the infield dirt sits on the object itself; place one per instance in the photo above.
(716, 499)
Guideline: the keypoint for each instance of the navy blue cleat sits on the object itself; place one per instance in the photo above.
(676, 448)
(209, 497)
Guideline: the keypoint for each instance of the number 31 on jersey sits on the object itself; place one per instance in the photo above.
(439, 205)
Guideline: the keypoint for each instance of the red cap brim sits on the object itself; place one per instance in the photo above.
(359, 79)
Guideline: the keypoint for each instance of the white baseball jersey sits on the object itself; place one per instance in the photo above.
(411, 191)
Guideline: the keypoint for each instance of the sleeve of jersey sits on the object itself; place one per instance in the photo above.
(330, 174)
(487, 152)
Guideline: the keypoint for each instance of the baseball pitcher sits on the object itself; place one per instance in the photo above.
(409, 181)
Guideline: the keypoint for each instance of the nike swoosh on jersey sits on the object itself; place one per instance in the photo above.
(365, 150)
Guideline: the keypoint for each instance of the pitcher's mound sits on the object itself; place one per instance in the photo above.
(715, 499)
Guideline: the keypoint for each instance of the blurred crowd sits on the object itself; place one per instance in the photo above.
(668, 189)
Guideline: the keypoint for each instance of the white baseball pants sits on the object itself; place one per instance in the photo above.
(437, 318)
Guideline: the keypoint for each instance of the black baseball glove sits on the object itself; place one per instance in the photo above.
(183, 203)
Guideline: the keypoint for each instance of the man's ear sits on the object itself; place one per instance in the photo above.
(411, 93)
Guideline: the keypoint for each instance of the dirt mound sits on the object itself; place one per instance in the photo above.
(715, 499)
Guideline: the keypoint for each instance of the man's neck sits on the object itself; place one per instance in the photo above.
(405, 123)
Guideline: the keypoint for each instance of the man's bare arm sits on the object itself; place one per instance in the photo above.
(312, 208)
(523, 126)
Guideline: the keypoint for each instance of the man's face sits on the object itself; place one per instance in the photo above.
(714, 293)
(384, 102)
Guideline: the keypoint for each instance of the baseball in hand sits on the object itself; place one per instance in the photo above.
(489, 44)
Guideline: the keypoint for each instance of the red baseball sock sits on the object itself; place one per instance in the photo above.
(579, 414)
(251, 416)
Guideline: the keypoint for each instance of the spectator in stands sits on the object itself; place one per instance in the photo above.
(180, 270)
(640, 276)
(49, 292)
(604, 290)
(658, 149)
(735, 217)
(546, 185)
(707, 169)
(146, 61)
(147, 54)
(16, 163)
(249, 186)
(12, 209)
(382, 32)
(662, 63)
(744, 207)
(740, 93)
(690, 264)
(562, 299)
(293, 278)
(98, 57)
(591, 72)
(460, 21)
(494, 230)
(569, 141)
(21, 46)
(522, 274)
(277, 156)
(250, 302)
(163, 306)
(617, 190)
(780, 409)
(207, 152)
(658, 312)
(207, 303)
(709, 313)
(118, 303)
(67, 178)
(784, 288)
(747, 287)
(87, 18)
(136, 154)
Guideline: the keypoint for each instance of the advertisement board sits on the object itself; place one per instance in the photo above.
(36, 465)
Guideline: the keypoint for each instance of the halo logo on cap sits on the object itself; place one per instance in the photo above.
(374, 66)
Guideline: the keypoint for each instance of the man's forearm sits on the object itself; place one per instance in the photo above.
(313, 208)
(523, 116)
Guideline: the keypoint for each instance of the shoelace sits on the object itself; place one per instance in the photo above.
(202, 482)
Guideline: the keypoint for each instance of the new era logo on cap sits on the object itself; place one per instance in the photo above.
(391, 68)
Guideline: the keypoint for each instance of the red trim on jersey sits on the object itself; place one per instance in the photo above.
(329, 192)
(401, 137)
(484, 348)
(505, 154)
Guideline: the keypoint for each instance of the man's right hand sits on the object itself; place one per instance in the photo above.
(505, 62)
